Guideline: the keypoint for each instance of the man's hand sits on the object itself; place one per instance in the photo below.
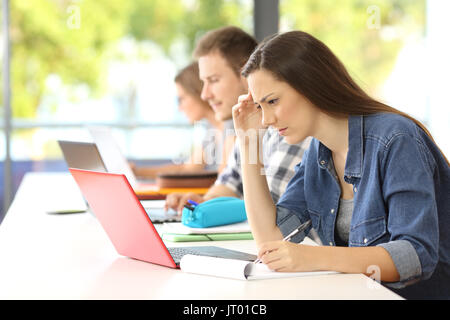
(176, 201)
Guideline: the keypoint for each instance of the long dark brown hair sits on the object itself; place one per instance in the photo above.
(313, 70)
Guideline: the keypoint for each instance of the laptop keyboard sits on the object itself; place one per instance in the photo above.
(178, 252)
(158, 215)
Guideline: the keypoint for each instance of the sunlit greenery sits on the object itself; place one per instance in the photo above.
(73, 39)
(365, 34)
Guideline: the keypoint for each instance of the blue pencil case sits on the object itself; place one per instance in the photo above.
(215, 212)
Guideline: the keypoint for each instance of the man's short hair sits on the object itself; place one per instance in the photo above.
(233, 43)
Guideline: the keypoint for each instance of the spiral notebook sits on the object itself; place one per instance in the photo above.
(237, 269)
(240, 270)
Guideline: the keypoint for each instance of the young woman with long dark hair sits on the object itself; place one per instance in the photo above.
(373, 183)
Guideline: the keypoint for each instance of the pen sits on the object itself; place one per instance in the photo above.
(301, 228)
(193, 202)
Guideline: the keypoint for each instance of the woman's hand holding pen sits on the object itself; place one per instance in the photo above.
(285, 256)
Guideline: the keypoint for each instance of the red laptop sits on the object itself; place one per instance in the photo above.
(127, 224)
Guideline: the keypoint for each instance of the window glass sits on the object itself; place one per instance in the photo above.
(111, 62)
(107, 61)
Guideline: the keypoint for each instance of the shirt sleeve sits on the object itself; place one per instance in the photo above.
(280, 165)
(231, 175)
(408, 189)
(291, 209)
(405, 260)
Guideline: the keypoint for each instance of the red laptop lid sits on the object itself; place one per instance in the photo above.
(122, 216)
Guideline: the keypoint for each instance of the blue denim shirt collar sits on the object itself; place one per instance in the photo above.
(353, 165)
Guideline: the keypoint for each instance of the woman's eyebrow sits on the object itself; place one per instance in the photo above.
(264, 98)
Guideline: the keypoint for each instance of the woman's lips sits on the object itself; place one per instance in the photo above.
(282, 131)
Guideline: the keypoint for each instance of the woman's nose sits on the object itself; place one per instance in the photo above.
(268, 118)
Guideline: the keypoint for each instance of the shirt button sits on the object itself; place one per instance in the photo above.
(365, 240)
(330, 243)
(354, 189)
(322, 162)
(332, 211)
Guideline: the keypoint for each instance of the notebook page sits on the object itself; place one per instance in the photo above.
(255, 271)
(237, 269)
(218, 267)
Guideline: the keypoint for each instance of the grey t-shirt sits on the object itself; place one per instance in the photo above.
(343, 220)
(343, 217)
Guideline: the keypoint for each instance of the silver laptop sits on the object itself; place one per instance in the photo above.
(86, 156)
(82, 155)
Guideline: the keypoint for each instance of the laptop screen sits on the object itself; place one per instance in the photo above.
(82, 155)
(111, 154)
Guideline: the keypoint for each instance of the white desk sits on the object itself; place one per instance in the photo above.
(45, 256)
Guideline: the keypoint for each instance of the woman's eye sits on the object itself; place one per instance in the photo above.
(272, 101)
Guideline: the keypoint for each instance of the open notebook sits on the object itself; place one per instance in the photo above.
(240, 270)
(237, 269)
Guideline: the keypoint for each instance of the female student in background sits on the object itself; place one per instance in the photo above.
(373, 183)
(189, 87)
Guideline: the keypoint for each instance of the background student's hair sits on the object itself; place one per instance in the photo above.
(234, 44)
(311, 68)
(188, 78)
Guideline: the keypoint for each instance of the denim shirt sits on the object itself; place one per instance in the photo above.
(401, 185)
